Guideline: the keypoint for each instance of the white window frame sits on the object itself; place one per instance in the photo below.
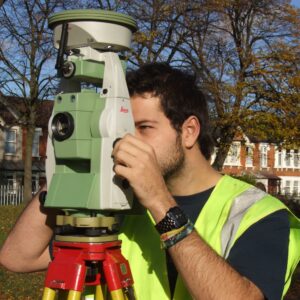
(296, 188)
(287, 187)
(249, 155)
(37, 135)
(234, 154)
(296, 158)
(288, 158)
(12, 142)
(279, 155)
(263, 155)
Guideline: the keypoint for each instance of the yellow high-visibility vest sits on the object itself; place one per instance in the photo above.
(230, 210)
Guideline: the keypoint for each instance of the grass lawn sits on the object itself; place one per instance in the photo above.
(30, 286)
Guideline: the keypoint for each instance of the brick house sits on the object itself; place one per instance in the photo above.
(12, 146)
(275, 169)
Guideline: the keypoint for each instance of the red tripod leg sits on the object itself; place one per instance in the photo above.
(67, 271)
(116, 271)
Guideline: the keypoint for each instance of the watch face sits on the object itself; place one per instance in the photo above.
(178, 216)
(175, 218)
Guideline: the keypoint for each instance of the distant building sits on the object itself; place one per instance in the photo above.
(12, 146)
(275, 169)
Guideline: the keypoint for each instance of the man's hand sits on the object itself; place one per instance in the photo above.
(136, 161)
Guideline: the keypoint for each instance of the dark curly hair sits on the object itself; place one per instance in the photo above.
(179, 95)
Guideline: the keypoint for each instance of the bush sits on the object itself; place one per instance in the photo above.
(246, 177)
(292, 204)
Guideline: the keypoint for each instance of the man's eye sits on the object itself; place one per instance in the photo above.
(143, 127)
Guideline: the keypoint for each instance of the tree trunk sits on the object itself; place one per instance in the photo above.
(220, 157)
(28, 163)
(226, 139)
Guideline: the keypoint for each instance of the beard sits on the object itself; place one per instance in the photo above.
(173, 163)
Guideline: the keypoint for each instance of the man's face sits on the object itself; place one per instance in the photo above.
(155, 129)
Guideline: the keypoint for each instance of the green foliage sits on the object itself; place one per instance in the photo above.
(294, 206)
(246, 177)
(17, 286)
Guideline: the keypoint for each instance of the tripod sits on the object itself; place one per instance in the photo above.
(87, 261)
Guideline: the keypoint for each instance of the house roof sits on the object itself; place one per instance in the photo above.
(264, 175)
(269, 175)
(44, 110)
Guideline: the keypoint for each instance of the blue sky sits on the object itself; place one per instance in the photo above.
(296, 2)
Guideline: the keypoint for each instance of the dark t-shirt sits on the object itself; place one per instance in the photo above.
(260, 254)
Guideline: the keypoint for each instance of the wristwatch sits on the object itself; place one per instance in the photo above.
(174, 218)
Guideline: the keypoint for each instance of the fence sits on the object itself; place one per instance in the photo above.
(11, 196)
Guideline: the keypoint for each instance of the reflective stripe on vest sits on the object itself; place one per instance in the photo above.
(238, 209)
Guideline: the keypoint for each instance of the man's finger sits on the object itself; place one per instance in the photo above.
(115, 142)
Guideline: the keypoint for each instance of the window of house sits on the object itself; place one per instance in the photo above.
(36, 142)
(279, 158)
(287, 187)
(296, 188)
(233, 156)
(10, 146)
(249, 156)
(296, 158)
(264, 156)
(10, 182)
(35, 183)
(288, 158)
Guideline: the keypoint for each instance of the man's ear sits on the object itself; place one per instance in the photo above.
(190, 131)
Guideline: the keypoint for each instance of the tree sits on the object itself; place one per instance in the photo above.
(26, 56)
(233, 46)
(278, 84)
(159, 30)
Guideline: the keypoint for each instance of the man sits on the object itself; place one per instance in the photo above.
(243, 245)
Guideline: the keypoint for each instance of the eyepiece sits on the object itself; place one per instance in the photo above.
(62, 126)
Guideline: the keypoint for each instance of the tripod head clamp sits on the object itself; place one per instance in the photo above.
(91, 110)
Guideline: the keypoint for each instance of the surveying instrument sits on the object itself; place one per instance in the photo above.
(91, 111)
